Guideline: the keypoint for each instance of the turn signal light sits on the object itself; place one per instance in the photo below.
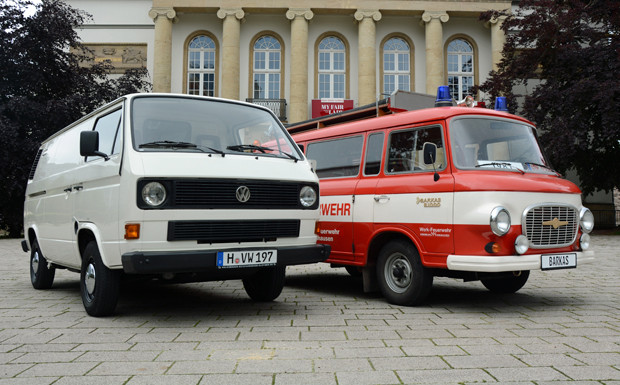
(132, 231)
(492, 248)
(317, 227)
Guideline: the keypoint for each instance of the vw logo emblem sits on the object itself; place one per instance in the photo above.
(243, 194)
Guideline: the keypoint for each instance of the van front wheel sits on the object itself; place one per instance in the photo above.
(508, 284)
(41, 275)
(402, 278)
(99, 286)
(266, 285)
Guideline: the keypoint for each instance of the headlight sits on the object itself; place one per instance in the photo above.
(584, 242)
(500, 221)
(522, 244)
(586, 220)
(307, 196)
(153, 194)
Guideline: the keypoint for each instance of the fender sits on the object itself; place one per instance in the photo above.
(428, 259)
(91, 227)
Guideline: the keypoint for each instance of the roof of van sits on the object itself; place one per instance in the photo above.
(401, 119)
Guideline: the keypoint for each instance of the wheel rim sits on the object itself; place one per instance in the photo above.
(34, 263)
(89, 280)
(398, 273)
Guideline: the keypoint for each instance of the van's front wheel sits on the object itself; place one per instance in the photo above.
(41, 276)
(507, 284)
(99, 286)
(266, 285)
(403, 279)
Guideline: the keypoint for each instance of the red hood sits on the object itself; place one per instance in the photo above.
(480, 180)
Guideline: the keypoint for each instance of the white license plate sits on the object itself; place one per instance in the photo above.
(558, 261)
(247, 258)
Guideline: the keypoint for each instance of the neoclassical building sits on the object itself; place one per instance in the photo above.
(287, 53)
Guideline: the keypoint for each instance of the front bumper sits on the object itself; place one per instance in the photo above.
(159, 262)
(493, 264)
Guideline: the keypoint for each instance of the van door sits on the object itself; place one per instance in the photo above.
(363, 213)
(338, 167)
(55, 230)
(98, 181)
(408, 198)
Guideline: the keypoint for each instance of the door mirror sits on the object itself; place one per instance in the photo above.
(89, 144)
(430, 153)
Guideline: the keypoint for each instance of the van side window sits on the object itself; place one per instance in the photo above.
(374, 149)
(337, 158)
(109, 136)
(405, 153)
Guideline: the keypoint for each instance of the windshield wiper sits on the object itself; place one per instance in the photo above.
(541, 165)
(243, 147)
(496, 164)
(168, 143)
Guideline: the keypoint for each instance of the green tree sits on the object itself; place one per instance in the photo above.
(566, 53)
(43, 88)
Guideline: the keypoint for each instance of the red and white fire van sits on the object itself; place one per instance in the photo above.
(450, 191)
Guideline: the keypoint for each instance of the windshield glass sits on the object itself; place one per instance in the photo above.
(486, 143)
(212, 126)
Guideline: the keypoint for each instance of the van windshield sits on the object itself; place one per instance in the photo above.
(212, 126)
(486, 143)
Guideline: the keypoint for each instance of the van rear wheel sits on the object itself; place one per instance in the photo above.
(41, 276)
(99, 286)
(402, 278)
(507, 284)
(266, 285)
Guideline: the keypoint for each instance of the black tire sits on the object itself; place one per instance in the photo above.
(507, 284)
(402, 278)
(99, 286)
(266, 285)
(41, 276)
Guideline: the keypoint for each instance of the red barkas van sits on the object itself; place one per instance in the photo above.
(450, 191)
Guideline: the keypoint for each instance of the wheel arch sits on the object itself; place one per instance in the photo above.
(384, 237)
(88, 232)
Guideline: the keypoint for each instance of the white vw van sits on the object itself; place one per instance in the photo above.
(173, 187)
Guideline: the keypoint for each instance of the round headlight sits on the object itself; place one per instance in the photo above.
(584, 241)
(307, 196)
(586, 219)
(500, 221)
(522, 244)
(153, 194)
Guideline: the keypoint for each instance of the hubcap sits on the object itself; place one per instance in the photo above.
(89, 279)
(398, 273)
(35, 262)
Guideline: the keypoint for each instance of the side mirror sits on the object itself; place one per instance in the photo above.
(89, 144)
(430, 153)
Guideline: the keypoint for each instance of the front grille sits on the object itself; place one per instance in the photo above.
(232, 231)
(208, 193)
(549, 226)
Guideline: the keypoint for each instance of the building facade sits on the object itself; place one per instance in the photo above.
(286, 53)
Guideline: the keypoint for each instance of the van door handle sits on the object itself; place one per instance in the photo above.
(77, 188)
(67, 190)
(382, 198)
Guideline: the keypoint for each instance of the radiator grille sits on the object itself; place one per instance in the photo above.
(550, 226)
(232, 231)
(222, 194)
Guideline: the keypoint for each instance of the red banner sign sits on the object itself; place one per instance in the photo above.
(322, 107)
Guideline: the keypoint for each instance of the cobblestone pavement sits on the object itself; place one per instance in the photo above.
(562, 327)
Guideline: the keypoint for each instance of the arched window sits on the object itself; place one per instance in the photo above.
(201, 66)
(332, 68)
(396, 65)
(460, 61)
(267, 66)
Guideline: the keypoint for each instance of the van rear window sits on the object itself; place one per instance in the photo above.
(337, 158)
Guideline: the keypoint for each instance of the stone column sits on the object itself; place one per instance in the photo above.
(230, 51)
(162, 63)
(434, 50)
(367, 56)
(298, 106)
(498, 38)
